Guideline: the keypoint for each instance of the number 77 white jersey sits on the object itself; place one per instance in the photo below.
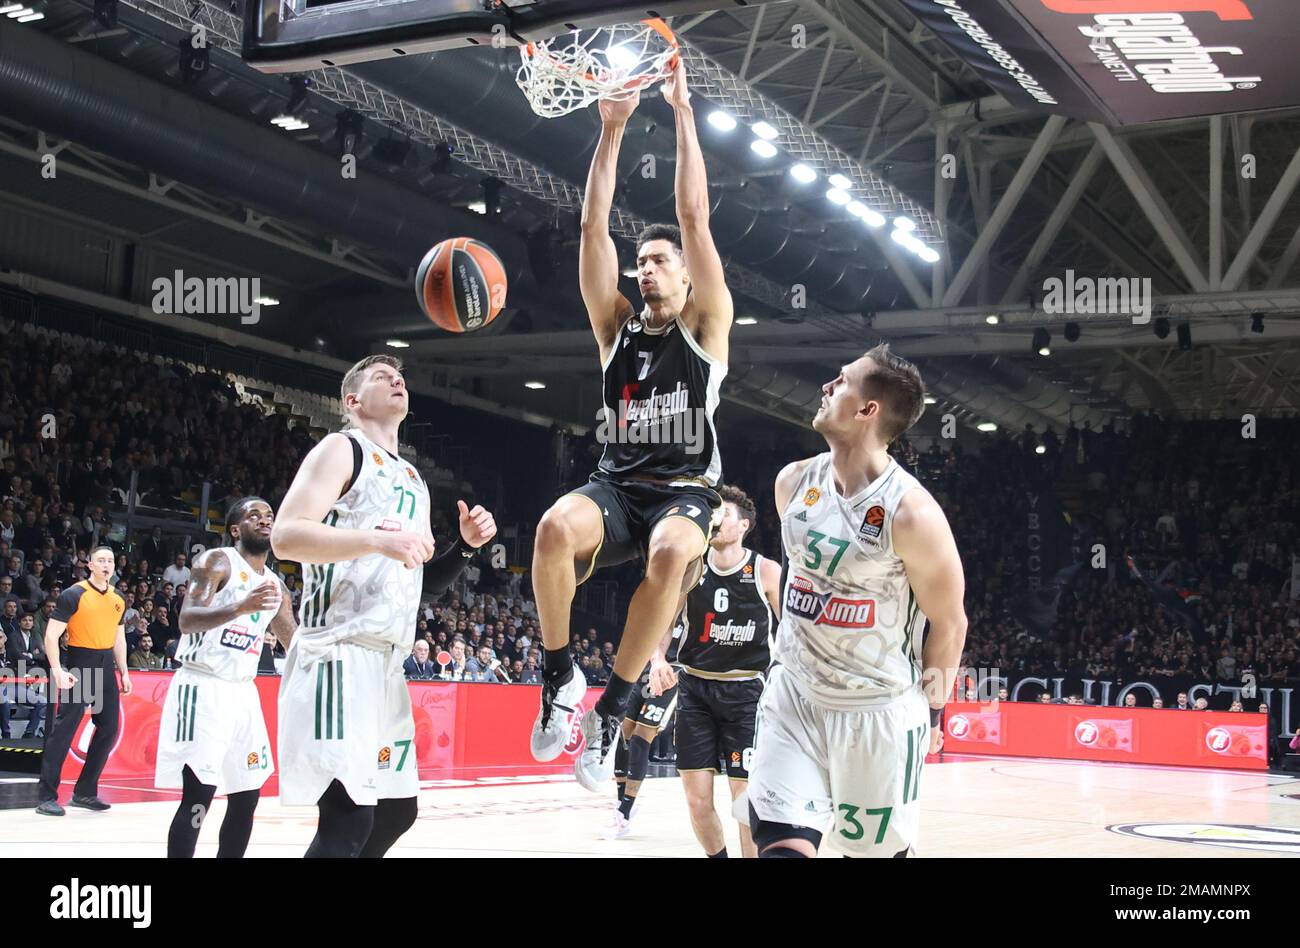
(371, 600)
(850, 632)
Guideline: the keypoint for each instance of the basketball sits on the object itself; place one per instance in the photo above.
(461, 284)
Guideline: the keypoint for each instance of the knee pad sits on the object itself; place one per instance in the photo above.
(765, 833)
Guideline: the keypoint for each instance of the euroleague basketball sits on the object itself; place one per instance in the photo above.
(461, 284)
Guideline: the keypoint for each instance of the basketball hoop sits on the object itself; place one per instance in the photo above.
(572, 71)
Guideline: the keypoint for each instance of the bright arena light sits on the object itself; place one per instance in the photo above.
(987, 426)
(535, 385)
(722, 121)
(929, 255)
(836, 196)
(763, 149)
(764, 131)
(746, 321)
(804, 174)
(620, 57)
(993, 319)
(1041, 449)
(839, 181)
(397, 344)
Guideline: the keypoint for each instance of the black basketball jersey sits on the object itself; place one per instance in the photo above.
(728, 623)
(660, 391)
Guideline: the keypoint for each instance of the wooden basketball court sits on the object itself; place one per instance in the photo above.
(972, 806)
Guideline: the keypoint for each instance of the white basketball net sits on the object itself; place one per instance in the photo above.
(570, 72)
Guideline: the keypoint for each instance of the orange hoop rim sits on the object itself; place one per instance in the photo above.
(655, 23)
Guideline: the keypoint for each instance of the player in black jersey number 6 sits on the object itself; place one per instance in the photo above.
(654, 493)
(723, 653)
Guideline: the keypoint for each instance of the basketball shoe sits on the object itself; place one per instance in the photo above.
(620, 825)
(551, 729)
(594, 767)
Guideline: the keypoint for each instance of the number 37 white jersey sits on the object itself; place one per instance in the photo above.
(372, 600)
(850, 632)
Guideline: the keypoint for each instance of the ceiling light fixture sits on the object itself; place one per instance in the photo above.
(722, 121)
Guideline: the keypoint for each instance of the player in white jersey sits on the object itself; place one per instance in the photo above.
(357, 518)
(853, 699)
(212, 739)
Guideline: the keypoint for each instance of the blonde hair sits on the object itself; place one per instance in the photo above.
(352, 381)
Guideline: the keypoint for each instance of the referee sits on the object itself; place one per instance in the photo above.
(92, 612)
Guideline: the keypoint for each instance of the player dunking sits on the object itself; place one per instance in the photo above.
(357, 516)
(652, 496)
(844, 724)
(212, 739)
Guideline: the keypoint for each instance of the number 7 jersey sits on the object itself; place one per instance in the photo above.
(850, 631)
(372, 600)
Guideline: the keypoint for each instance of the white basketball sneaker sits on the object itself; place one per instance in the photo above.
(620, 825)
(554, 720)
(594, 767)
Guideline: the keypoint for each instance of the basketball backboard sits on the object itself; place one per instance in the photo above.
(298, 35)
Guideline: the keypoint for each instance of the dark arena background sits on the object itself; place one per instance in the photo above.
(1079, 219)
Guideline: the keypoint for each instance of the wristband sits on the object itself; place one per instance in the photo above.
(936, 715)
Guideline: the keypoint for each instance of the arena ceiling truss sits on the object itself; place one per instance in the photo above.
(1010, 199)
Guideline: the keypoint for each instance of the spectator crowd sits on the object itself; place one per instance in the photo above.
(1196, 527)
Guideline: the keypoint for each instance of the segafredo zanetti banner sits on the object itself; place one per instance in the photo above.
(1124, 62)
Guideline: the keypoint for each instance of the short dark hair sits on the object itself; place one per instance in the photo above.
(352, 381)
(732, 494)
(897, 385)
(669, 232)
(235, 512)
(102, 546)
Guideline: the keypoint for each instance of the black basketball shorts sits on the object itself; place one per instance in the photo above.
(715, 721)
(655, 712)
(632, 509)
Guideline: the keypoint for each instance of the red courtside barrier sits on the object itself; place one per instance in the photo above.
(1228, 740)
(462, 731)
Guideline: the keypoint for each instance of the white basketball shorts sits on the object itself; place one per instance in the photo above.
(854, 775)
(345, 714)
(216, 728)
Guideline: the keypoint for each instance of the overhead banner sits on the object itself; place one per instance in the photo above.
(1124, 62)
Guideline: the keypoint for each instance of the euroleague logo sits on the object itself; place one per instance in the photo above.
(958, 726)
(1086, 733)
(575, 742)
(1218, 739)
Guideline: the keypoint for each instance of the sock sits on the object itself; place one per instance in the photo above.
(720, 854)
(618, 693)
(625, 806)
(557, 666)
